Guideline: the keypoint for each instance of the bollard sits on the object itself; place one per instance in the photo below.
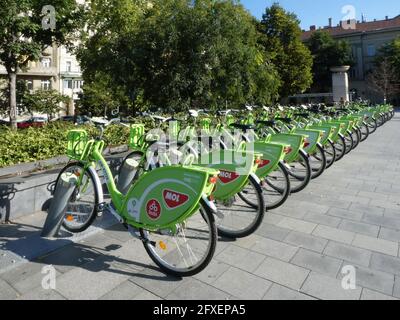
(127, 174)
(62, 194)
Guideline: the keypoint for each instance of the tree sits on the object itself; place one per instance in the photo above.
(100, 97)
(177, 55)
(383, 79)
(44, 101)
(327, 53)
(27, 27)
(281, 39)
(243, 71)
(22, 90)
(391, 53)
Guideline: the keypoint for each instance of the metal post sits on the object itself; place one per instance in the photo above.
(127, 174)
(63, 193)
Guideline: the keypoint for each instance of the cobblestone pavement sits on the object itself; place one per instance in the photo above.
(349, 216)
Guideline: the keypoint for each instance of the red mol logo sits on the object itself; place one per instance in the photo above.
(153, 209)
(227, 176)
(264, 163)
(174, 199)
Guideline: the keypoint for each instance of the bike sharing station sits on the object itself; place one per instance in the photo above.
(191, 183)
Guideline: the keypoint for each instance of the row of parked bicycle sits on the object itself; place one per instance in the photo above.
(216, 175)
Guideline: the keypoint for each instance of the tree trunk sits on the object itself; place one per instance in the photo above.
(13, 99)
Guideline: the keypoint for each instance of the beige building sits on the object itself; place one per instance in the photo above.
(70, 78)
(365, 38)
(42, 74)
(56, 69)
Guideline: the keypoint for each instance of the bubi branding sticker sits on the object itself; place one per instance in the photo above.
(227, 176)
(174, 199)
(153, 209)
(263, 163)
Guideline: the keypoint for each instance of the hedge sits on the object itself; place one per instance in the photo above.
(33, 144)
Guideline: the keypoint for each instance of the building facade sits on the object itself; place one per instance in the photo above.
(70, 78)
(57, 69)
(365, 38)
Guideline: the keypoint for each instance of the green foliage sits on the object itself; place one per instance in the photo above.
(35, 144)
(281, 38)
(44, 101)
(176, 56)
(327, 53)
(391, 54)
(23, 37)
(22, 90)
(101, 97)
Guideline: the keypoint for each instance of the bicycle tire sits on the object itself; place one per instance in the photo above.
(258, 217)
(364, 132)
(331, 151)
(322, 159)
(207, 214)
(340, 148)
(92, 216)
(284, 192)
(307, 178)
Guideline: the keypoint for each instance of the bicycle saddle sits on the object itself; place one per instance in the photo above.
(269, 123)
(285, 120)
(242, 126)
(303, 115)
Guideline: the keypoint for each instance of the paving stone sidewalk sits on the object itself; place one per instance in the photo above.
(349, 216)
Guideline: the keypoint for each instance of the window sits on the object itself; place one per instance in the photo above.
(67, 84)
(69, 66)
(46, 84)
(46, 62)
(371, 50)
(29, 85)
(78, 84)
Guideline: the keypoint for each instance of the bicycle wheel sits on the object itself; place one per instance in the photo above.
(356, 139)
(340, 148)
(372, 125)
(349, 142)
(82, 207)
(189, 249)
(318, 162)
(381, 120)
(243, 213)
(276, 187)
(300, 173)
(364, 132)
(359, 134)
(330, 153)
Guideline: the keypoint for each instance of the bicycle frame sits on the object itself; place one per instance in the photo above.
(134, 208)
(95, 158)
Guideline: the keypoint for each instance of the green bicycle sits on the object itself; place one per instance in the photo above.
(168, 208)
(236, 217)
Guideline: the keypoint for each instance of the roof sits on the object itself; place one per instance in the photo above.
(371, 26)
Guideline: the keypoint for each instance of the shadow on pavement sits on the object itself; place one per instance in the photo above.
(97, 259)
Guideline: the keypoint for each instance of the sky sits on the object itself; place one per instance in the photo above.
(317, 12)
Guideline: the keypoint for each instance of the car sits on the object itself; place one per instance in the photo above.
(76, 119)
(32, 122)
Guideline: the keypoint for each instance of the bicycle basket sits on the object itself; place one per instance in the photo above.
(77, 142)
(136, 136)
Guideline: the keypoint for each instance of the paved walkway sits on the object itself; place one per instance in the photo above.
(349, 216)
